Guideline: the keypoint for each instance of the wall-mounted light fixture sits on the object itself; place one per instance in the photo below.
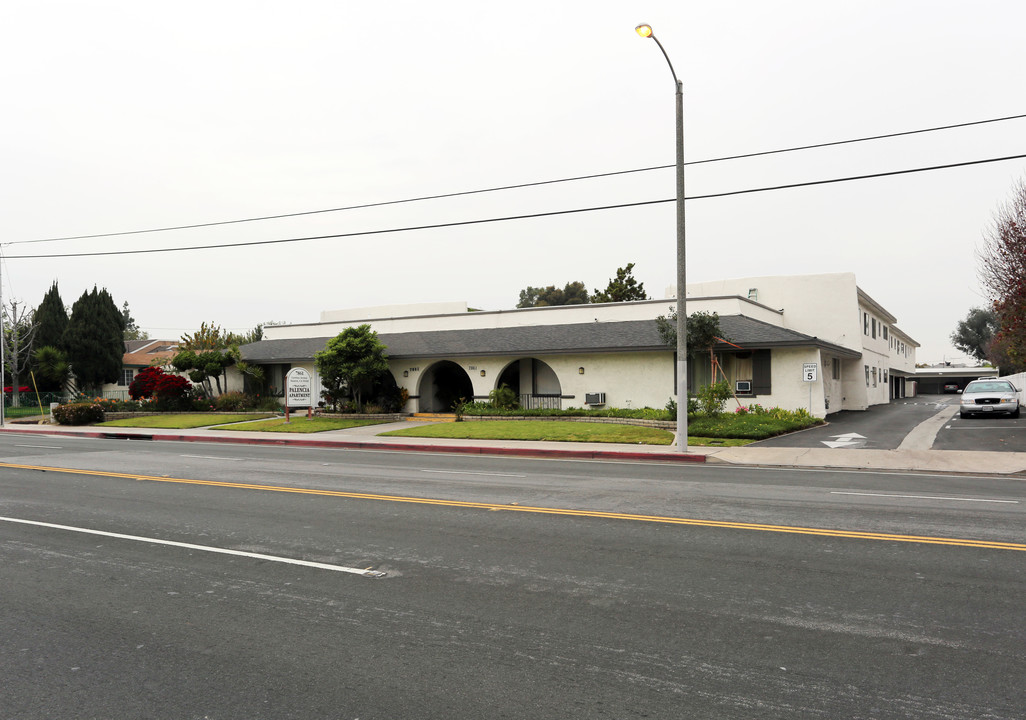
(482, 373)
(406, 373)
(580, 371)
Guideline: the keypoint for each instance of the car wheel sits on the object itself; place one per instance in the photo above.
(963, 415)
(1016, 413)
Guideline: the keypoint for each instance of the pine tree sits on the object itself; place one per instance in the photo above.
(623, 288)
(94, 339)
(52, 319)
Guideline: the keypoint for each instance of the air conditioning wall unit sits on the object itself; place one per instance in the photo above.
(743, 387)
(594, 398)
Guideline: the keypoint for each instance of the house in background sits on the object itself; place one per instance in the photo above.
(139, 354)
(775, 330)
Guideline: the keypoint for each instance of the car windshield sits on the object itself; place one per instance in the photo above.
(989, 387)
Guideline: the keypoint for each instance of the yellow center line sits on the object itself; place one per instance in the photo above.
(797, 530)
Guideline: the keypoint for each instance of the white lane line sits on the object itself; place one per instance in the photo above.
(461, 472)
(208, 457)
(48, 447)
(926, 497)
(204, 548)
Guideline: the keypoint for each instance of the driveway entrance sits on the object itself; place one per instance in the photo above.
(881, 427)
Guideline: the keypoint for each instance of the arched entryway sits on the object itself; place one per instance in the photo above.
(534, 382)
(443, 385)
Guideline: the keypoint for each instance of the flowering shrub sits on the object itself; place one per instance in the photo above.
(144, 382)
(169, 391)
(78, 413)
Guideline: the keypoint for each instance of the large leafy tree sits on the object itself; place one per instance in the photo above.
(207, 354)
(210, 337)
(623, 288)
(973, 335)
(703, 333)
(351, 362)
(703, 330)
(95, 339)
(573, 293)
(1002, 273)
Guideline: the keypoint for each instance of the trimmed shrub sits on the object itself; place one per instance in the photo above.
(712, 398)
(78, 414)
(232, 401)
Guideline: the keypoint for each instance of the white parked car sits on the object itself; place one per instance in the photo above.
(989, 397)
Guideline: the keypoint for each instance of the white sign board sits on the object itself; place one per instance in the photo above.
(810, 372)
(299, 388)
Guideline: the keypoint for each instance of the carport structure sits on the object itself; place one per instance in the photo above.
(931, 381)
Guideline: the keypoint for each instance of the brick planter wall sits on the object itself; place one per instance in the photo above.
(661, 424)
(390, 417)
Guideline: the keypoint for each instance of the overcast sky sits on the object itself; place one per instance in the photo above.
(121, 116)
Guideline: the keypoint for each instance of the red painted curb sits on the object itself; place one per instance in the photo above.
(399, 447)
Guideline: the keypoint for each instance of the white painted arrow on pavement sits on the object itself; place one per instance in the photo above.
(845, 440)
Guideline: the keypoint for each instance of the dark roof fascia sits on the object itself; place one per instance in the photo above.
(811, 342)
(788, 339)
(539, 351)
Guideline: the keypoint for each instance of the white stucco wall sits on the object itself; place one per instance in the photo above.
(822, 306)
(628, 379)
(788, 389)
(385, 324)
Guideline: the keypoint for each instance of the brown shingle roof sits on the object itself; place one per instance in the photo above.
(142, 353)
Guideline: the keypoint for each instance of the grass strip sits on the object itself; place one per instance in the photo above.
(553, 431)
(177, 422)
(301, 425)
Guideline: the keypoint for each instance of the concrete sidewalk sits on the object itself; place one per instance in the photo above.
(367, 438)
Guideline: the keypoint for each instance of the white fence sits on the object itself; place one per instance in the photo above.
(1019, 381)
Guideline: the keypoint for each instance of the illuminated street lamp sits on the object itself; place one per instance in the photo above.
(682, 334)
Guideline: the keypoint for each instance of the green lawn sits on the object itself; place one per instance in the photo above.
(177, 422)
(301, 425)
(541, 430)
(26, 411)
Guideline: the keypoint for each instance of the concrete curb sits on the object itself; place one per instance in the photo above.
(1011, 465)
(590, 454)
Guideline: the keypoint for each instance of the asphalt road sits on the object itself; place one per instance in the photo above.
(513, 588)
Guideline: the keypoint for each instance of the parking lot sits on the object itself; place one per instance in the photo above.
(884, 427)
(983, 433)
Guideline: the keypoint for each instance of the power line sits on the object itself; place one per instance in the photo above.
(515, 187)
(856, 140)
(514, 217)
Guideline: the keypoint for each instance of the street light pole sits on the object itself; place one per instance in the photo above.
(682, 315)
